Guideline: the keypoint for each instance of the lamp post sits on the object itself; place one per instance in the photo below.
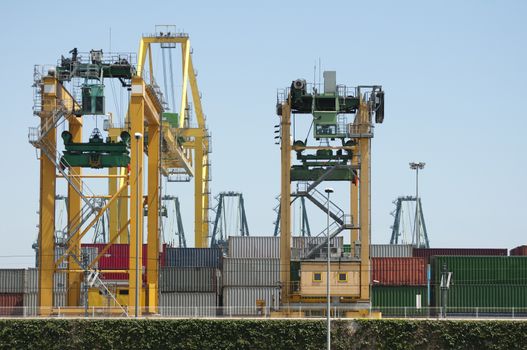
(328, 190)
(138, 137)
(416, 166)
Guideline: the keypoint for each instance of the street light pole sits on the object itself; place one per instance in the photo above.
(138, 137)
(416, 167)
(328, 190)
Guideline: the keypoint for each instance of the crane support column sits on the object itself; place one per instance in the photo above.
(46, 241)
(200, 235)
(136, 117)
(364, 198)
(354, 188)
(152, 267)
(285, 202)
(74, 207)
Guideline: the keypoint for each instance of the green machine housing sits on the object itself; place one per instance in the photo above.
(315, 165)
(96, 153)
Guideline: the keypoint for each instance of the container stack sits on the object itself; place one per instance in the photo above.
(492, 283)
(60, 295)
(190, 282)
(399, 282)
(428, 253)
(519, 251)
(251, 275)
(11, 292)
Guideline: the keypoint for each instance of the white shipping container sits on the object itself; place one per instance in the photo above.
(254, 247)
(60, 299)
(189, 279)
(31, 281)
(241, 301)
(251, 272)
(391, 250)
(12, 280)
(188, 304)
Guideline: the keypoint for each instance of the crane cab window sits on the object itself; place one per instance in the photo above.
(343, 277)
(317, 277)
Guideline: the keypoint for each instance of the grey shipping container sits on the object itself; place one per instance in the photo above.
(391, 250)
(254, 247)
(193, 257)
(188, 304)
(59, 251)
(12, 280)
(60, 299)
(241, 301)
(301, 246)
(31, 281)
(251, 272)
(189, 279)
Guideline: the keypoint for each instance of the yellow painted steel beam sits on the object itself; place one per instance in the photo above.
(137, 117)
(113, 174)
(185, 47)
(199, 236)
(364, 200)
(46, 240)
(175, 151)
(74, 207)
(152, 266)
(195, 96)
(113, 211)
(191, 132)
(285, 202)
(354, 189)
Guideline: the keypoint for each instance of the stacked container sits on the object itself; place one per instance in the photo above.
(190, 282)
(399, 285)
(117, 257)
(251, 275)
(519, 251)
(11, 292)
(30, 296)
(492, 283)
(427, 253)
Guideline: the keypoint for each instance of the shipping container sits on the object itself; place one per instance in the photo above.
(482, 270)
(427, 253)
(241, 301)
(519, 251)
(117, 257)
(189, 279)
(91, 253)
(12, 280)
(188, 304)
(251, 272)
(30, 302)
(400, 300)
(301, 246)
(391, 250)
(399, 271)
(194, 257)
(487, 298)
(254, 247)
(31, 281)
(11, 304)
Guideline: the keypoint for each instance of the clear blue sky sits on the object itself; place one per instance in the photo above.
(454, 75)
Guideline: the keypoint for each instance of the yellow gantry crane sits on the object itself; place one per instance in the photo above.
(173, 144)
(342, 154)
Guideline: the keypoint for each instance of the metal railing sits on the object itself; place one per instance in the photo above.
(253, 311)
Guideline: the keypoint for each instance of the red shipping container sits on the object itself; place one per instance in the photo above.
(398, 271)
(519, 251)
(117, 258)
(429, 252)
(11, 304)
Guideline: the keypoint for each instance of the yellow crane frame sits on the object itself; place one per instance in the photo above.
(144, 115)
(359, 197)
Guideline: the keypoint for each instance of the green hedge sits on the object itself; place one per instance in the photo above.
(258, 334)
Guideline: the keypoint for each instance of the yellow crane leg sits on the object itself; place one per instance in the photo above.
(136, 114)
(74, 208)
(199, 236)
(46, 241)
(364, 193)
(113, 211)
(354, 188)
(285, 203)
(122, 208)
(152, 265)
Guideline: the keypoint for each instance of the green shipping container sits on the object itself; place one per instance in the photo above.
(482, 270)
(488, 299)
(399, 300)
